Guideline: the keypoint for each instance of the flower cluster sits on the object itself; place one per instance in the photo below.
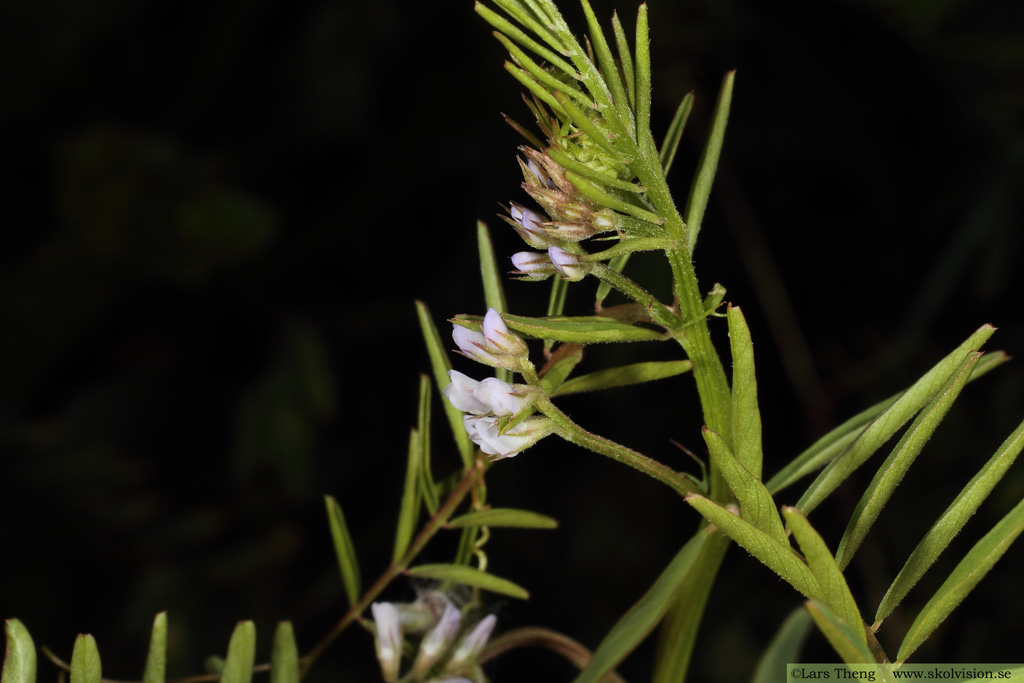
(574, 220)
(442, 656)
(497, 415)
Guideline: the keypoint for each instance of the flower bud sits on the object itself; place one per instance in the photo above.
(471, 645)
(533, 266)
(494, 345)
(568, 265)
(437, 641)
(389, 639)
(497, 335)
(529, 225)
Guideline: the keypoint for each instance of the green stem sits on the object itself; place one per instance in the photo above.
(436, 523)
(572, 432)
(659, 312)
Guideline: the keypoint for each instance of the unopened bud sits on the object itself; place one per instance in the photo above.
(568, 265)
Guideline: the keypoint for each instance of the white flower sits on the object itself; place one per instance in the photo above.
(499, 396)
(460, 393)
(568, 265)
(437, 641)
(389, 639)
(494, 345)
(483, 431)
(471, 645)
(533, 265)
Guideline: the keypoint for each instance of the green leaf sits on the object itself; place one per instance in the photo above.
(494, 292)
(505, 517)
(972, 569)
(427, 485)
(746, 415)
(538, 89)
(625, 375)
(675, 132)
(85, 661)
(512, 31)
(895, 467)
(835, 591)
(156, 659)
(700, 189)
(284, 655)
(520, 14)
(608, 65)
(344, 549)
(889, 422)
(833, 443)
(470, 577)
(602, 198)
(644, 137)
(841, 635)
(543, 77)
(409, 510)
(643, 616)
(559, 366)
(784, 648)
(777, 556)
(682, 622)
(756, 504)
(827, 447)
(20, 659)
(575, 329)
(625, 58)
(241, 654)
(441, 365)
(951, 522)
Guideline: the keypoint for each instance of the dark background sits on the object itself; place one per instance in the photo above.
(217, 216)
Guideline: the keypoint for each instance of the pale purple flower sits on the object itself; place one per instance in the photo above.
(471, 644)
(461, 394)
(437, 641)
(389, 639)
(568, 265)
(529, 225)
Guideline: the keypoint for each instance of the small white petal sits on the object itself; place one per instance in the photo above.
(499, 396)
(460, 393)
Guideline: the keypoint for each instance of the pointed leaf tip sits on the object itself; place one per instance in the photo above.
(20, 660)
(85, 661)
(241, 654)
